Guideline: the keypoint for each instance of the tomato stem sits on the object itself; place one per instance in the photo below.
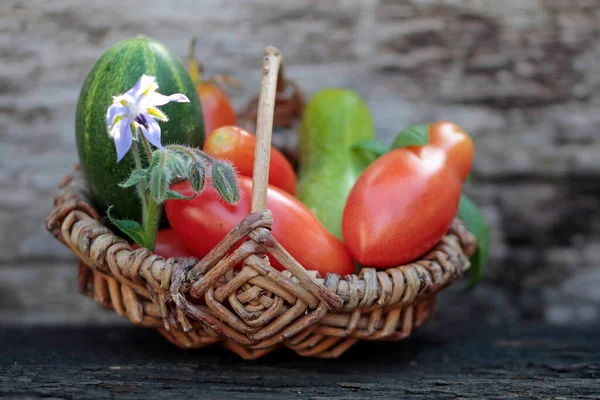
(194, 69)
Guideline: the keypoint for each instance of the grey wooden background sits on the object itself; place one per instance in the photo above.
(522, 76)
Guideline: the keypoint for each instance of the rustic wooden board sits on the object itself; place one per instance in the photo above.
(522, 76)
(442, 361)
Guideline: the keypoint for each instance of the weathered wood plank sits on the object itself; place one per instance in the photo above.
(47, 294)
(522, 76)
(532, 361)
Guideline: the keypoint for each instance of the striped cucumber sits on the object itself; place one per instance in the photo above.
(114, 73)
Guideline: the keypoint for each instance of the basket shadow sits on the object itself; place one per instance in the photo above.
(129, 344)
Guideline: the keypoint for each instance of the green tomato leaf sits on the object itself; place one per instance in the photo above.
(367, 151)
(224, 179)
(416, 135)
(470, 214)
(133, 229)
(372, 146)
(135, 177)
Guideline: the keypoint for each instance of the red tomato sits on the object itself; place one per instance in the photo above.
(404, 202)
(202, 222)
(216, 107)
(169, 245)
(237, 145)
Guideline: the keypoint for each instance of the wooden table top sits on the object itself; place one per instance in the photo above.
(483, 361)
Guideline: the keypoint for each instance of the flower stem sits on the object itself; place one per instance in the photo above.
(154, 210)
(141, 185)
(147, 147)
(151, 224)
(151, 210)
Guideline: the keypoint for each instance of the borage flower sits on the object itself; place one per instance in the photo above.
(136, 110)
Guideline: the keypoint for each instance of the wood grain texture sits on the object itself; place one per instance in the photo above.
(529, 361)
(522, 76)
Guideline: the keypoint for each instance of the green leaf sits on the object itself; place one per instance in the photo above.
(470, 214)
(135, 177)
(369, 150)
(416, 135)
(372, 146)
(224, 179)
(173, 195)
(133, 229)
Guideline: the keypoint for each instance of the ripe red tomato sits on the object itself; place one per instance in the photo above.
(169, 245)
(203, 221)
(237, 145)
(216, 107)
(404, 202)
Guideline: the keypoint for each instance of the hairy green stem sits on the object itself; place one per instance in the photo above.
(151, 224)
(141, 185)
(192, 153)
(147, 147)
(151, 210)
(152, 217)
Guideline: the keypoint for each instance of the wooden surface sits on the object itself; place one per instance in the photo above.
(441, 361)
(522, 76)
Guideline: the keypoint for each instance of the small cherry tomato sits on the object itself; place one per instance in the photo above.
(237, 145)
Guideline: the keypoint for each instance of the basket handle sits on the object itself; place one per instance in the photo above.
(264, 128)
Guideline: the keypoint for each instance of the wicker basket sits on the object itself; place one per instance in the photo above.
(257, 309)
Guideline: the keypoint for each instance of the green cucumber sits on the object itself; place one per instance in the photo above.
(333, 121)
(114, 73)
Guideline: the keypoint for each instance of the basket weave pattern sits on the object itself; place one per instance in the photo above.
(255, 309)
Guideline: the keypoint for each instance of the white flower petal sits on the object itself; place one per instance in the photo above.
(156, 99)
(138, 106)
(140, 87)
(114, 130)
(113, 112)
(121, 134)
(153, 132)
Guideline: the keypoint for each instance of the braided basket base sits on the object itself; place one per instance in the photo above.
(328, 338)
(255, 310)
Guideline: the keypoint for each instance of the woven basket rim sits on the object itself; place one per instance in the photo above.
(364, 290)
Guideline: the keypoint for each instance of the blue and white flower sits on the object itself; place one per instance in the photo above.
(136, 110)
